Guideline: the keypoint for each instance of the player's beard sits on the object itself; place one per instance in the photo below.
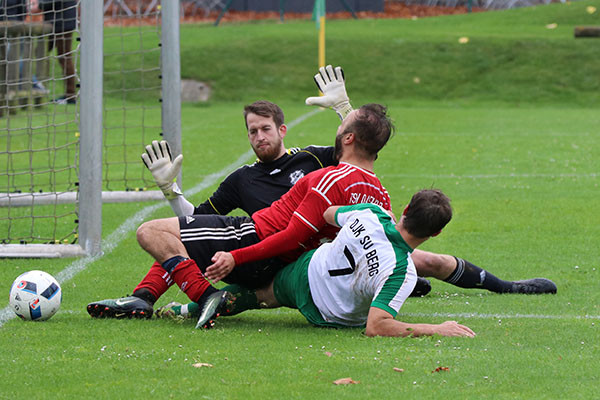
(269, 153)
(338, 150)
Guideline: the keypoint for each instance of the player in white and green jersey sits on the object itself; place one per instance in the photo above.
(385, 274)
(364, 276)
(372, 268)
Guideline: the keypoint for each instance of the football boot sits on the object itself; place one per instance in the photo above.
(124, 307)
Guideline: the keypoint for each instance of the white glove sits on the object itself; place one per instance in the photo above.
(331, 83)
(158, 160)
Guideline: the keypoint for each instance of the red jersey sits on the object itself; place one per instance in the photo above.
(295, 223)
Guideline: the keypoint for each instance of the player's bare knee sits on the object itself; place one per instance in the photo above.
(423, 262)
(432, 264)
(148, 232)
(143, 234)
(152, 231)
(420, 258)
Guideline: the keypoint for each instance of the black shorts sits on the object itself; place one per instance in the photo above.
(204, 235)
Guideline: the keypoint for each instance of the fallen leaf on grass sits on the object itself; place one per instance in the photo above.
(328, 353)
(438, 369)
(590, 9)
(551, 26)
(345, 381)
(398, 369)
(463, 40)
(200, 365)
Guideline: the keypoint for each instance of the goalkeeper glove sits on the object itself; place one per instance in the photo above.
(158, 160)
(331, 83)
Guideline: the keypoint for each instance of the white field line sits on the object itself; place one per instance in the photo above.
(499, 316)
(115, 238)
(492, 176)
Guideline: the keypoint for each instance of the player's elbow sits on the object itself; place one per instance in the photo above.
(375, 328)
(377, 322)
(371, 332)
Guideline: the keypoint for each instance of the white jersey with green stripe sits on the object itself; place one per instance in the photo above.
(367, 265)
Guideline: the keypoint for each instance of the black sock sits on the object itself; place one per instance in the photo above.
(469, 276)
(145, 294)
(209, 290)
(170, 264)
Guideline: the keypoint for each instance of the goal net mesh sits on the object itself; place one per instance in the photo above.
(39, 113)
(39, 135)
(132, 108)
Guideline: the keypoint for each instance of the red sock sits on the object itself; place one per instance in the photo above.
(188, 277)
(157, 281)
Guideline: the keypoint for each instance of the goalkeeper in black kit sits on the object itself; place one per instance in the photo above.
(255, 186)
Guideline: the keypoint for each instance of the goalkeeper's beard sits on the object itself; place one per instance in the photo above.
(269, 153)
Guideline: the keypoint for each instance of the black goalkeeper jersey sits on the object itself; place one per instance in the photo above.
(254, 187)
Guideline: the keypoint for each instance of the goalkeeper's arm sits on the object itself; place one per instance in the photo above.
(164, 169)
(331, 83)
(181, 206)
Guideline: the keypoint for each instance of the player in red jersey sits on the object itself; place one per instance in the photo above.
(297, 218)
(184, 246)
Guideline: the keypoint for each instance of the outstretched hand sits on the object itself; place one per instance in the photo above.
(164, 169)
(331, 83)
(222, 265)
(453, 328)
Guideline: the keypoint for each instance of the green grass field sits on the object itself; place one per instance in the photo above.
(507, 125)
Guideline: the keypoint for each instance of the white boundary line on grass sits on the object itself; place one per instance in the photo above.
(500, 316)
(493, 176)
(114, 239)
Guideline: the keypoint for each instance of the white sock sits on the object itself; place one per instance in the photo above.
(184, 310)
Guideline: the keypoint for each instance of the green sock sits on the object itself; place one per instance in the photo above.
(241, 299)
(193, 309)
(186, 310)
(176, 310)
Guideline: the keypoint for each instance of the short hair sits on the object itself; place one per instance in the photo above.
(428, 213)
(264, 109)
(372, 128)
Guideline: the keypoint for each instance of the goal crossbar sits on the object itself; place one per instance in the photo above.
(41, 250)
(35, 199)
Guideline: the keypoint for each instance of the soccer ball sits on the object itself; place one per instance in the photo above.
(35, 296)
